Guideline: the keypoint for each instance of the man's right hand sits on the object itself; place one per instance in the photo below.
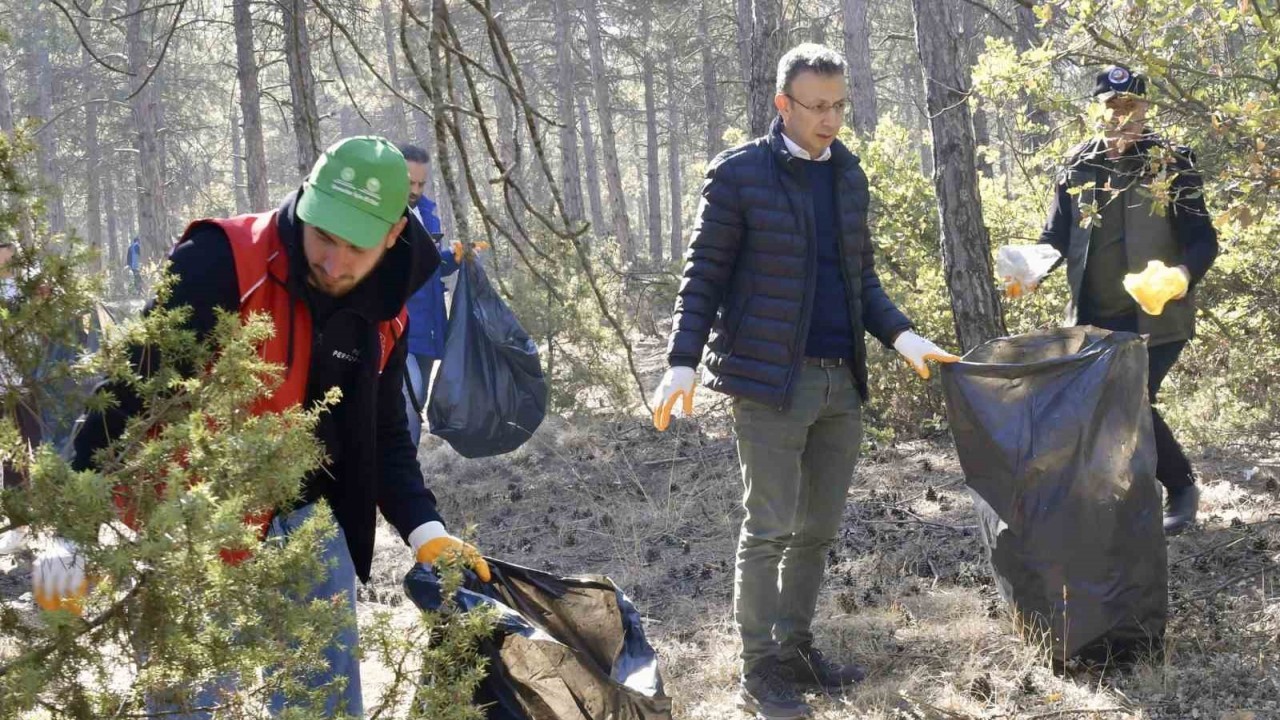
(677, 383)
(1022, 267)
(57, 577)
(1014, 288)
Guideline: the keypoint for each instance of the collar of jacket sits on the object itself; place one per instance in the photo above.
(841, 158)
(379, 297)
(1096, 146)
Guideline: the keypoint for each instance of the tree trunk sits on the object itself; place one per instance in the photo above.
(711, 91)
(147, 122)
(593, 169)
(857, 51)
(644, 195)
(425, 134)
(972, 42)
(916, 119)
(113, 247)
(608, 139)
(674, 192)
(766, 49)
(570, 170)
(654, 173)
(46, 141)
(442, 95)
(93, 152)
(237, 164)
(966, 246)
(745, 27)
(302, 83)
(1028, 37)
(6, 104)
(250, 108)
(397, 125)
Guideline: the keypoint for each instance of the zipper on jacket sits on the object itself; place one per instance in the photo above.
(810, 289)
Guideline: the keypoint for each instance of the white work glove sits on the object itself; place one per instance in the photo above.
(678, 382)
(58, 580)
(13, 541)
(1022, 267)
(917, 351)
(430, 542)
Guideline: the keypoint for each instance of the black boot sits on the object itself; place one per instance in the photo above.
(810, 668)
(767, 693)
(1180, 506)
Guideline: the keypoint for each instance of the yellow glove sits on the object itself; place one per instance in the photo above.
(58, 580)
(919, 351)
(1157, 285)
(459, 249)
(677, 383)
(430, 543)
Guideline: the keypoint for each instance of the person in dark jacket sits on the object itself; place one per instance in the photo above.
(780, 277)
(427, 319)
(133, 263)
(343, 246)
(1110, 174)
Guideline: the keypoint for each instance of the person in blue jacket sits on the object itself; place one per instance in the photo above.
(133, 261)
(427, 322)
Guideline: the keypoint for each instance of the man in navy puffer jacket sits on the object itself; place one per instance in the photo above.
(781, 278)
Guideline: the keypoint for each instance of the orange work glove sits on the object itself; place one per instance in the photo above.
(677, 383)
(460, 249)
(431, 542)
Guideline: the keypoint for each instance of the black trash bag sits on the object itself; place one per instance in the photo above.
(489, 394)
(563, 649)
(1053, 430)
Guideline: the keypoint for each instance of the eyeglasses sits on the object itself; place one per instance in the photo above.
(822, 108)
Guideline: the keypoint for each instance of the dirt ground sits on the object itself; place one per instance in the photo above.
(909, 593)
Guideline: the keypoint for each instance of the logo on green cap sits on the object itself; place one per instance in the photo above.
(357, 190)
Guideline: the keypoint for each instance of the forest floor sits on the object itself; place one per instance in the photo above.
(909, 593)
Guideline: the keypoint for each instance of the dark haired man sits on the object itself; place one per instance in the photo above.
(781, 268)
(427, 320)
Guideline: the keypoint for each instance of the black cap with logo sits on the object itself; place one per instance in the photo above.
(1119, 80)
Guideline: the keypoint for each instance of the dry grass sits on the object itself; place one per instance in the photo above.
(908, 592)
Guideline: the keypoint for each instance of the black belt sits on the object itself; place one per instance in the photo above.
(825, 362)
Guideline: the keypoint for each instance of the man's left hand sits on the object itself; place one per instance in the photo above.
(919, 351)
(431, 542)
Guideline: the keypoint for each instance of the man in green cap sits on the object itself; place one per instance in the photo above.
(333, 266)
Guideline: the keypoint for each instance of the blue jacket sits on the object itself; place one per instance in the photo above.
(426, 307)
(133, 259)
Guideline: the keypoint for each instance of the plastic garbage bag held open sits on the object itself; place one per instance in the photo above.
(1053, 431)
(563, 648)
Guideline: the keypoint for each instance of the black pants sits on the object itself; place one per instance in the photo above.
(1173, 469)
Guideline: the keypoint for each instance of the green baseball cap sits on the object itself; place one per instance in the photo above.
(357, 190)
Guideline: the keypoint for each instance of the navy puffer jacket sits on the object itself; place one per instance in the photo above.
(751, 270)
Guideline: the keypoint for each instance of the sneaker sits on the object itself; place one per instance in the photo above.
(13, 541)
(810, 668)
(767, 694)
(1180, 506)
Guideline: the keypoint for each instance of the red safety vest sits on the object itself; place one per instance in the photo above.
(262, 271)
